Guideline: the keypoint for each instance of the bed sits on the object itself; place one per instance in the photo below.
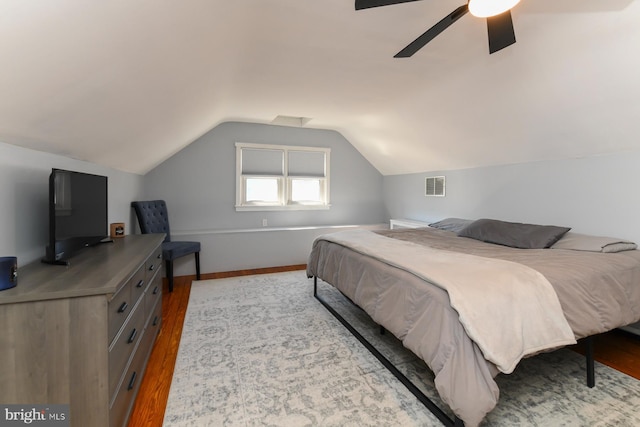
(449, 293)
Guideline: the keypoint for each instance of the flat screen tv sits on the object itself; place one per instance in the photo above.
(77, 213)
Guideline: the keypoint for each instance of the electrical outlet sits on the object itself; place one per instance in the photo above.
(264, 222)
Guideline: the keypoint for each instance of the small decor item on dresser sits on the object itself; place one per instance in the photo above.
(117, 230)
(8, 272)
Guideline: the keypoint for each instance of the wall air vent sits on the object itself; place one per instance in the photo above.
(434, 186)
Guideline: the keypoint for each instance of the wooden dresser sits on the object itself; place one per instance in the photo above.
(82, 334)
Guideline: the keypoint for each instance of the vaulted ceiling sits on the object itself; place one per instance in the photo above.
(126, 84)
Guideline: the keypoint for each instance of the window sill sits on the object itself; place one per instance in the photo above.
(283, 208)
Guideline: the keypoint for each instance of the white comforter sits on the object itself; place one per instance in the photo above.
(509, 310)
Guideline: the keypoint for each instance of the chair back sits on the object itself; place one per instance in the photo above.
(153, 217)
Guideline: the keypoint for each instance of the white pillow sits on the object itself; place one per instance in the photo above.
(585, 242)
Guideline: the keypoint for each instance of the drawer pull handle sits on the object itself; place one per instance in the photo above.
(132, 381)
(155, 320)
(152, 267)
(159, 256)
(132, 337)
(123, 307)
(155, 290)
(140, 283)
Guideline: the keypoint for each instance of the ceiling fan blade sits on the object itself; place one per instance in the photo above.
(500, 30)
(432, 32)
(366, 4)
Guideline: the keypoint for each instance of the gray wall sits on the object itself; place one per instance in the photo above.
(24, 192)
(594, 195)
(198, 184)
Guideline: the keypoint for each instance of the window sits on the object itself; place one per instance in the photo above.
(280, 177)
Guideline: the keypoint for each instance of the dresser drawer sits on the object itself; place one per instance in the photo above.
(119, 308)
(122, 347)
(138, 283)
(153, 294)
(153, 264)
(155, 322)
(128, 388)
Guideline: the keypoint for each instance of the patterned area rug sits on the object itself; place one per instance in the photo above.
(261, 351)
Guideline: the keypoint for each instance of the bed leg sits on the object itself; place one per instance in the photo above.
(591, 376)
(315, 286)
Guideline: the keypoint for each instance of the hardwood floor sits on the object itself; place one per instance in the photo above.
(617, 349)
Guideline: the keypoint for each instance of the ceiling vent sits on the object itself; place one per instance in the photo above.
(434, 186)
(291, 121)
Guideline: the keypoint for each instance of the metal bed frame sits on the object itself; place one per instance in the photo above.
(428, 403)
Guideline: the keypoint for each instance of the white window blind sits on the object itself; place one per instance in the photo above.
(262, 162)
(307, 163)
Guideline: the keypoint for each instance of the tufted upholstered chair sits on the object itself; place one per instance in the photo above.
(153, 217)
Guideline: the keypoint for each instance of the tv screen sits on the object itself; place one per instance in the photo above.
(77, 213)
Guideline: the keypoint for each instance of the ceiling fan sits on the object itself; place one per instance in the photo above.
(499, 26)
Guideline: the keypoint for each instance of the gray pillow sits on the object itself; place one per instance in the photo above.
(514, 234)
(451, 224)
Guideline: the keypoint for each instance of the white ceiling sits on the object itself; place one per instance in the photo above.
(126, 84)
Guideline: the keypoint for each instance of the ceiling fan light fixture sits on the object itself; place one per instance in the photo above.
(487, 8)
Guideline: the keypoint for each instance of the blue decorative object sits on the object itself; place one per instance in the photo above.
(8, 272)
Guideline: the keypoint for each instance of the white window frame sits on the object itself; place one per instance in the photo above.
(284, 180)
